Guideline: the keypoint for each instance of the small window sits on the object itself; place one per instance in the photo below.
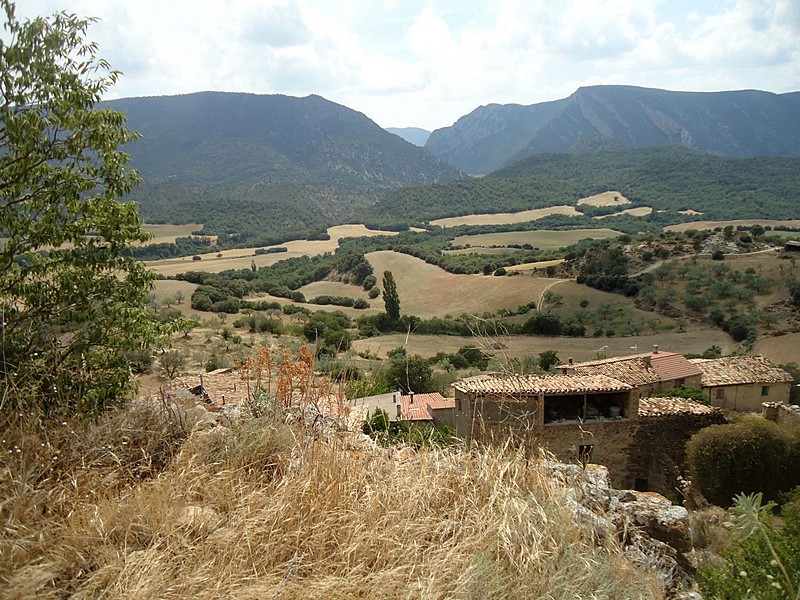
(720, 394)
(458, 404)
(765, 390)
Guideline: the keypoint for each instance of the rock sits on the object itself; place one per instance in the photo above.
(658, 518)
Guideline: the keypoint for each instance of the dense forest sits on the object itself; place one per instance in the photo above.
(669, 179)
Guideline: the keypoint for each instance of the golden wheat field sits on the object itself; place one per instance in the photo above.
(242, 258)
(507, 218)
(427, 290)
(544, 239)
(736, 223)
(611, 198)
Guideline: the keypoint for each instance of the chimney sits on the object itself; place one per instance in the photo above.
(411, 397)
(655, 348)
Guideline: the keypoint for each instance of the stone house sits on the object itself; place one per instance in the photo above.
(584, 418)
(651, 372)
(743, 383)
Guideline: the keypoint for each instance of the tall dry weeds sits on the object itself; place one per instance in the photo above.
(267, 510)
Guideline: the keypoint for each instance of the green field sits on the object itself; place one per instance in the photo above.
(545, 239)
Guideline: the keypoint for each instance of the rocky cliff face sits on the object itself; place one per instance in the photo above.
(738, 123)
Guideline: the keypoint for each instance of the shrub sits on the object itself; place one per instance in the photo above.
(752, 455)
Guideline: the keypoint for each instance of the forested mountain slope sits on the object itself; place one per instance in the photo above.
(218, 157)
(667, 178)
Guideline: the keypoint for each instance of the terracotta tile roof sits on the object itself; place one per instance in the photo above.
(640, 369)
(740, 370)
(658, 407)
(549, 385)
(420, 407)
(634, 371)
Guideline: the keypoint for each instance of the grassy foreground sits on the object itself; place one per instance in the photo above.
(136, 506)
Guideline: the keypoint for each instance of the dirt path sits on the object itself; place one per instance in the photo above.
(540, 303)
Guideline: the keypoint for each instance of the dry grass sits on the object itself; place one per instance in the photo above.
(427, 290)
(611, 198)
(508, 218)
(639, 211)
(746, 222)
(241, 258)
(545, 239)
(780, 349)
(542, 264)
(168, 232)
(266, 510)
(518, 347)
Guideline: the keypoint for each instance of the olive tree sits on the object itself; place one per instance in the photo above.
(72, 299)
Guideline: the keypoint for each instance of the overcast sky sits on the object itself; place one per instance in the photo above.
(425, 63)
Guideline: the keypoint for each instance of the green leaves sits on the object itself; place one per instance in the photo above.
(72, 298)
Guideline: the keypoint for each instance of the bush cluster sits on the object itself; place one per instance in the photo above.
(751, 455)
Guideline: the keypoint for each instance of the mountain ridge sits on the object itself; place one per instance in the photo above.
(730, 123)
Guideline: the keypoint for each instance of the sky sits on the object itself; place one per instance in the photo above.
(425, 63)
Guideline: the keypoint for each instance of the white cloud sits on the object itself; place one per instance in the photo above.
(427, 62)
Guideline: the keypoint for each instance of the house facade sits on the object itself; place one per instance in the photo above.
(584, 418)
(744, 383)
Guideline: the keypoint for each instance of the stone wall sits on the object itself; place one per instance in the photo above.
(658, 451)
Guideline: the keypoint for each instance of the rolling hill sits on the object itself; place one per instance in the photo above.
(733, 123)
(668, 178)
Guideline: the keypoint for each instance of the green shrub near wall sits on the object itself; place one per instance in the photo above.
(751, 455)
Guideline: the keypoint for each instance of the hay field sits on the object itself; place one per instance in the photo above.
(427, 291)
(580, 349)
(639, 211)
(545, 239)
(744, 222)
(780, 349)
(168, 232)
(241, 258)
(612, 198)
(508, 218)
(542, 264)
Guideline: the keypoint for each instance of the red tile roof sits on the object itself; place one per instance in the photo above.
(640, 369)
(740, 370)
(534, 385)
(657, 407)
(420, 407)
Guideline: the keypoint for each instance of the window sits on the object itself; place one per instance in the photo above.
(720, 394)
(765, 390)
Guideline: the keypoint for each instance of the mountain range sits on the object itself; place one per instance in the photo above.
(265, 168)
(413, 135)
(734, 123)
